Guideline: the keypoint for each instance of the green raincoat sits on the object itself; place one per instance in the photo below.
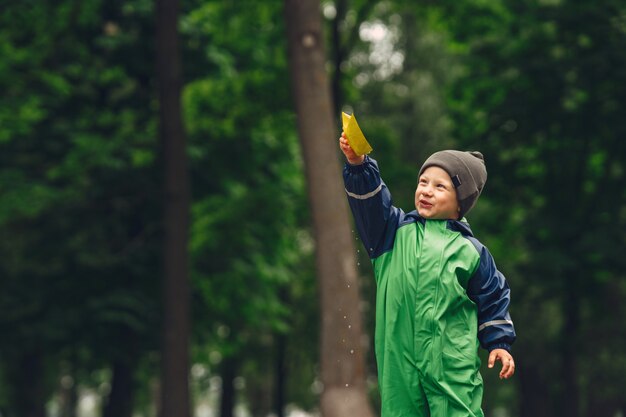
(438, 294)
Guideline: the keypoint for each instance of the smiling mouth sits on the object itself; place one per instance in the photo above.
(425, 204)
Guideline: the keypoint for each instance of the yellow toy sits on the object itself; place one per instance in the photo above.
(355, 136)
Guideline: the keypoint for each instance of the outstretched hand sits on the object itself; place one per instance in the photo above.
(347, 150)
(508, 365)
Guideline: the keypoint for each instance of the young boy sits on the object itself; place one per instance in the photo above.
(438, 290)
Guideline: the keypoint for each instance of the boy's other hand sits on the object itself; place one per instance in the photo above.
(351, 156)
(508, 365)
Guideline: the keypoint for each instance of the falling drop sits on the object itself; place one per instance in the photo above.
(352, 351)
(349, 326)
(344, 317)
(347, 385)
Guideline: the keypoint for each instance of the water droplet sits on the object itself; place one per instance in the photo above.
(352, 351)
(348, 285)
(349, 326)
(344, 317)
(358, 264)
(347, 385)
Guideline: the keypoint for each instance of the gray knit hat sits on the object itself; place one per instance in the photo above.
(467, 171)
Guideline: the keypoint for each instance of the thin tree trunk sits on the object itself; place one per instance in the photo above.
(342, 356)
(571, 393)
(280, 375)
(338, 54)
(227, 399)
(121, 398)
(120, 401)
(535, 396)
(175, 400)
(29, 389)
(67, 390)
(68, 401)
(342, 41)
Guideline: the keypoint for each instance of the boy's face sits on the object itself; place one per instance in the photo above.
(435, 196)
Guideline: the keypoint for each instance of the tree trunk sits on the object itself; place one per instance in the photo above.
(227, 399)
(29, 386)
(571, 327)
(280, 375)
(68, 392)
(120, 401)
(338, 55)
(342, 356)
(534, 393)
(175, 348)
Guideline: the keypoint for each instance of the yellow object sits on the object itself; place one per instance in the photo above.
(356, 139)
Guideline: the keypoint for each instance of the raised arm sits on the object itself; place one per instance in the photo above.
(370, 201)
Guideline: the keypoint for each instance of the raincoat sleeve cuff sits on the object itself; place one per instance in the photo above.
(504, 346)
(355, 169)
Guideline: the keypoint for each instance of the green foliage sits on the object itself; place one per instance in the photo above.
(250, 278)
(77, 214)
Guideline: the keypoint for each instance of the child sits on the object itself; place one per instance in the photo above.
(438, 290)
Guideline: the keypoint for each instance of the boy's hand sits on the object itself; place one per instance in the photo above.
(351, 156)
(508, 365)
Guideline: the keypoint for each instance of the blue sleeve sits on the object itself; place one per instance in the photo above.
(491, 293)
(370, 201)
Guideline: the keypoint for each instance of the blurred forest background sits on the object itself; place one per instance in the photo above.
(539, 86)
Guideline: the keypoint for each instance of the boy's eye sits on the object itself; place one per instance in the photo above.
(441, 186)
